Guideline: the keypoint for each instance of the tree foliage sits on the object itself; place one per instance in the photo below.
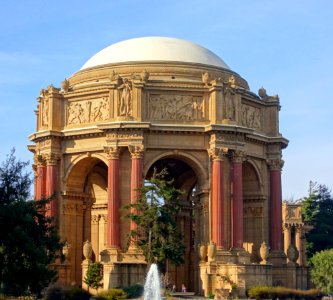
(322, 270)
(155, 213)
(94, 275)
(28, 241)
(317, 210)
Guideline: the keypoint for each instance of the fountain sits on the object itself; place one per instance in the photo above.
(152, 289)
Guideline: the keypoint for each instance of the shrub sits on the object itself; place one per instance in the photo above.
(57, 292)
(77, 294)
(268, 292)
(112, 294)
(134, 291)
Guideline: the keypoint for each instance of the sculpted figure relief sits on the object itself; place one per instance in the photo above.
(176, 107)
(88, 111)
(125, 102)
(45, 113)
(229, 104)
(251, 117)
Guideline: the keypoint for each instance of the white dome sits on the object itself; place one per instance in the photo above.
(155, 49)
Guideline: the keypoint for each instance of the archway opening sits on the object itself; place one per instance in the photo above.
(253, 211)
(184, 178)
(85, 203)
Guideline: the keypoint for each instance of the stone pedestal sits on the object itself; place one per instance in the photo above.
(85, 266)
(277, 258)
(110, 255)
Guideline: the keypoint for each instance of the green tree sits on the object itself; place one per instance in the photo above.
(94, 275)
(322, 271)
(29, 242)
(155, 213)
(317, 210)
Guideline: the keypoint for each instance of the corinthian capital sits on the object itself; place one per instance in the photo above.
(275, 164)
(238, 156)
(40, 160)
(136, 151)
(112, 152)
(217, 153)
(52, 158)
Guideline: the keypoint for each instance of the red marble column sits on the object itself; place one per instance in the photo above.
(275, 205)
(136, 177)
(113, 238)
(217, 204)
(51, 183)
(237, 200)
(40, 180)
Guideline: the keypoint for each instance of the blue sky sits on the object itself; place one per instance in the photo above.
(285, 46)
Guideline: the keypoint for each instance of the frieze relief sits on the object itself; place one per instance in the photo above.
(88, 111)
(176, 107)
(253, 212)
(251, 117)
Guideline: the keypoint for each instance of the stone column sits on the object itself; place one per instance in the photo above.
(275, 167)
(299, 244)
(217, 197)
(113, 240)
(40, 180)
(136, 178)
(287, 237)
(51, 182)
(237, 200)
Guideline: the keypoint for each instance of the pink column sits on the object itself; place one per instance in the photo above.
(217, 204)
(275, 205)
(40, 180)
(113, 238)
(237, 200)
(136, 177)
(51, 183)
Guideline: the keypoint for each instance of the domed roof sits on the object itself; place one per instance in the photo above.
(155, 49)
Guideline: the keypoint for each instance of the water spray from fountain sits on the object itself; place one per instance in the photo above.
(152, 290)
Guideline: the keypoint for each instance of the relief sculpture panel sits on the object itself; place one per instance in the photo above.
(176, 107)
(251, 117)
(88, 111)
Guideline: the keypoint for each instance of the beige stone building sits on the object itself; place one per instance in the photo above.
(164, 102)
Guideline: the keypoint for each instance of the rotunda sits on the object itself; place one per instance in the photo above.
(156, 102)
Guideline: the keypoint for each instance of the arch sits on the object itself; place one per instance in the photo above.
(79, 168)
(192, 161)
(251, 170)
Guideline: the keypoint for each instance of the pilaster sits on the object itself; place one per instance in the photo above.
(237, 199)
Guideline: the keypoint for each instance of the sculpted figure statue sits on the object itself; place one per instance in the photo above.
(126, 98)
(263, 95)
